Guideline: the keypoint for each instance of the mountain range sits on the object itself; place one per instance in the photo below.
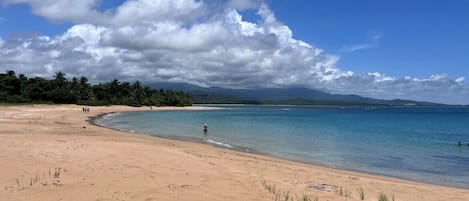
(297, 96)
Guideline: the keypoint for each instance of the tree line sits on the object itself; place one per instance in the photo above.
(21, 89)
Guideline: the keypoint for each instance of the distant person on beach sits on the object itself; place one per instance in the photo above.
(459, 143)
(205, 128)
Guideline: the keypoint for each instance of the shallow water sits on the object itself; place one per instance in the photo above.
(407, 142)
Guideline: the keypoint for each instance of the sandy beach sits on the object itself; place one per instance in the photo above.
(52, 152)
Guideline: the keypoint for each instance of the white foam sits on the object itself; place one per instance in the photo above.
(219, 143)
(111, 115)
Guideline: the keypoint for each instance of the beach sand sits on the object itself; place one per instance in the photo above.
(52, 152)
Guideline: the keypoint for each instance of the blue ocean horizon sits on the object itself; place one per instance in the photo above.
(414, 143)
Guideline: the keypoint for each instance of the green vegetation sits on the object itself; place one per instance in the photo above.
(278, 195)
(21, 89)
(384, 197)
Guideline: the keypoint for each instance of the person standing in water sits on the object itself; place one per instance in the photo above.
(205, 128)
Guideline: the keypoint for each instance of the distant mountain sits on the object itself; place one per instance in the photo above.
(298, 96)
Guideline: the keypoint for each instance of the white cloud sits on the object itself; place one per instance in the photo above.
(460, 80)
(90, 34)
(150, 41)
(167, 35)
(149, 11)
(62, 10)
(130, 12)
(373, 41)
(243, 4)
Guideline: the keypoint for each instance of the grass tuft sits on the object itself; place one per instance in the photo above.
(278, 195)
(382, 197)
(343, 192)
(57, 173)
(361, 193)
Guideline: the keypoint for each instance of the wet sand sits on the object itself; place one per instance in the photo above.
(52, 152)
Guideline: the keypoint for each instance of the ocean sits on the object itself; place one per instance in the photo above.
(414, 143)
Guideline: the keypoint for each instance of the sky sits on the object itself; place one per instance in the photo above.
(382, 49)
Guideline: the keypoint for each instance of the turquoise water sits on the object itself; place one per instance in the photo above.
(412, 143)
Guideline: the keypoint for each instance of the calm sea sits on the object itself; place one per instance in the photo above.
(415, 143)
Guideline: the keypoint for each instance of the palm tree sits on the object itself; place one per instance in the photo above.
(60, 79)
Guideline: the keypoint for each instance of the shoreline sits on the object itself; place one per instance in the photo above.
(248, 150)
(103, 163)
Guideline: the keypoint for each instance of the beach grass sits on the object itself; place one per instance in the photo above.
(361, 193)
(343, 192)
(279, 195)
(57, 173)
(384, 197)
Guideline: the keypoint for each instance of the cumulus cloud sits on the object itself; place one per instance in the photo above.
(149, 11)
(62, 10)
(243, 4)
(130, 12)
(185, 41)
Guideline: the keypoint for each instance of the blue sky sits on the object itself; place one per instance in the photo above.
(421, 39)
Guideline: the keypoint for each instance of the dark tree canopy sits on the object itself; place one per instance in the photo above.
(21, 89)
